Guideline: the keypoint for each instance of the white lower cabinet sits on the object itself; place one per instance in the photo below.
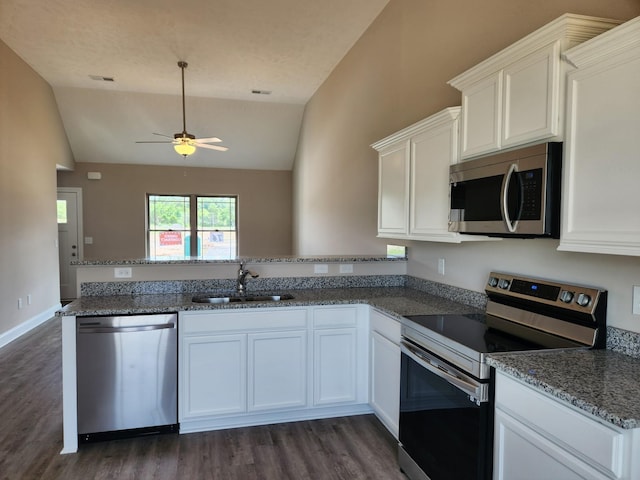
(214, 376)
(537, 436)
(384, 370)
(256, 366)
(277, 373)
(339, 355)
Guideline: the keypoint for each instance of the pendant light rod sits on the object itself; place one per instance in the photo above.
(182, 66)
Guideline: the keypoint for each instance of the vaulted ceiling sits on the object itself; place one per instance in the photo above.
(232, 47)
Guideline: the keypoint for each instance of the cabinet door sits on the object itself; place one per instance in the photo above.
(432, 152)
(213, 375)
(531, 97)
(393, 190)
(385, 381)
(335, 366)
(522, 454)
(601, 167)
(482, 116)
(277, 370)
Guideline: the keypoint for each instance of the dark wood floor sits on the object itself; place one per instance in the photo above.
(31, 436)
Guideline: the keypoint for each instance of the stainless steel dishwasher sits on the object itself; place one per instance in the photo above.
(127, 375)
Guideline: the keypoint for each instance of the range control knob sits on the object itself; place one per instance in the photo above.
(493, 281)
(503, 283)
(566, 296)
(583, 300)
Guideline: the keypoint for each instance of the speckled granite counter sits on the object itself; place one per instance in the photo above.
(279, 259)
(397, 301)
(603, 383)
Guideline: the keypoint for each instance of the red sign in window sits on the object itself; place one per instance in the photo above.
(170, 238)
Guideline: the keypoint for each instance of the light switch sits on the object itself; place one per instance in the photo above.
(636, 300)
(88, 240)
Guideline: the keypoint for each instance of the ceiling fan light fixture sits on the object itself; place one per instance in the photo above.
(184, 148)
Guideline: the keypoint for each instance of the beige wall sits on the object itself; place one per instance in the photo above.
(114, 207)
(32, 142)
(395, 75)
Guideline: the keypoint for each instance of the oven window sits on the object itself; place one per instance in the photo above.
(445, 432)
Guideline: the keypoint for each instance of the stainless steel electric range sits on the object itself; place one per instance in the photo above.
(446, 398)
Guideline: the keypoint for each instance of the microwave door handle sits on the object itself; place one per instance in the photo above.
(511, 226)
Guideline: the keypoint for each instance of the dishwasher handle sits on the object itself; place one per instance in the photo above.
(133, 328)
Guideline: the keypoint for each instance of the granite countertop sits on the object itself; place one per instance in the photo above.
(603, 383)
(279, 259)
(396, 301)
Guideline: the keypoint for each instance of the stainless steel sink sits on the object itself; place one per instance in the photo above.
(241, 298)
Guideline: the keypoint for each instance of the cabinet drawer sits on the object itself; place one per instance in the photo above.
(386, 326)
(328, 317)
(583, 436)
(242, 320)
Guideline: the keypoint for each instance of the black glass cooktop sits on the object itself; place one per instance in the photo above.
(472, 331)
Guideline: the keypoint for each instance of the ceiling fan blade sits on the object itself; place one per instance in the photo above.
(207, 140)
(212, 147)
(162, 135)
(156, 141)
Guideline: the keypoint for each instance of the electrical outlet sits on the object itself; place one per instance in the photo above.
(321, 268)
(346, 268)
(122, 272)
(441, 266)
(636, 300)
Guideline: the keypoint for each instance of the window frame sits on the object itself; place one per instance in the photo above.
(193, 230)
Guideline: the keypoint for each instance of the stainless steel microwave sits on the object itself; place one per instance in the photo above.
(510, 194)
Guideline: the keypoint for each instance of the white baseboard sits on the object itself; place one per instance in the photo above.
(19, 330)
(252, 420)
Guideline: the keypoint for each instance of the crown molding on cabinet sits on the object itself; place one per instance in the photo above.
(620, 39)
(571, 29)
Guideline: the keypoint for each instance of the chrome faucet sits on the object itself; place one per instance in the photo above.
(241, 282)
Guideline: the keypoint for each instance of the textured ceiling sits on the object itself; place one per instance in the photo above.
(287, 47)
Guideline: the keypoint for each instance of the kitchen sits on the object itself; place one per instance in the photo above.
(370, 99)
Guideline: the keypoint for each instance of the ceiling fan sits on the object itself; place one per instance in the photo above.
(185, 143)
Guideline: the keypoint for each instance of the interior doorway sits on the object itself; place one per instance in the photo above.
(69, 206)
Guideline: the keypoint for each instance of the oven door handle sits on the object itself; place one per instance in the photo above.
(474, 389)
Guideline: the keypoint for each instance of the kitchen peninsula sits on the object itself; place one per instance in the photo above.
(326, 307)
(345, 304)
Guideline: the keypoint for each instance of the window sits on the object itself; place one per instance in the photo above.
(178, 225)
(62, 211)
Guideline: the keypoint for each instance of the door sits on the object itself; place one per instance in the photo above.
(69, 208)
(277, 370)
(213, 378)
(443, 428)
(335, 366)
(385, 380)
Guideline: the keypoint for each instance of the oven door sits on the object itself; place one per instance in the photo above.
(446, 420)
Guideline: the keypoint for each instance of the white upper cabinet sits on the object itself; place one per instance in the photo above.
(515, 97)
(601, 161)
(393, 189)
(413, 184)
